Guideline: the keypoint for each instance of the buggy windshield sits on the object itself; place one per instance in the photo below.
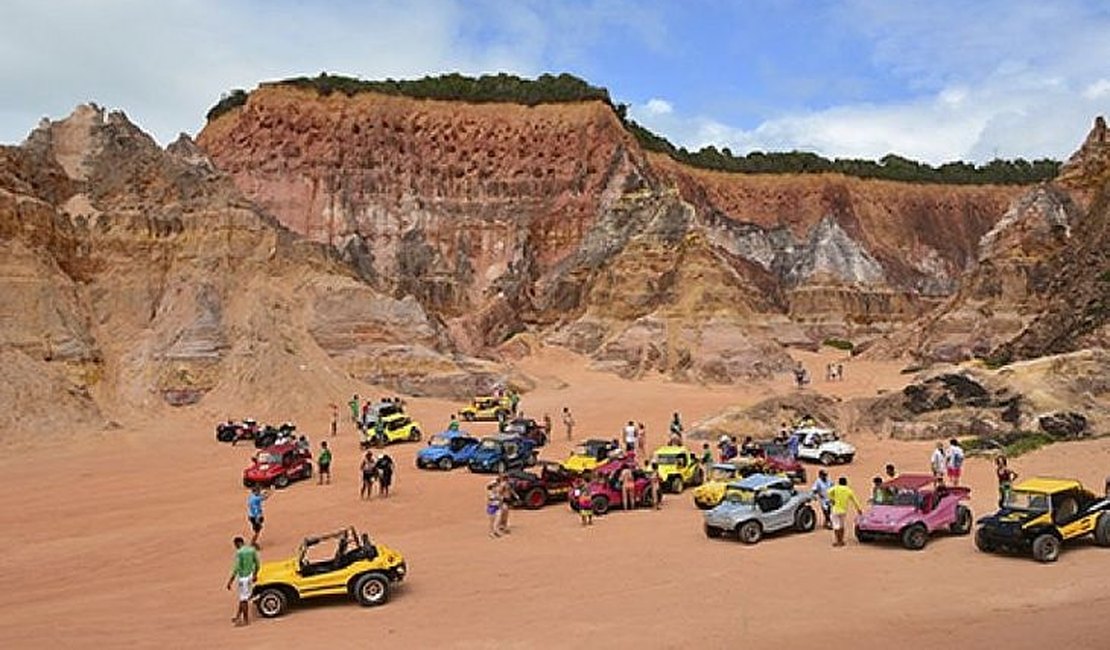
(267, 458)
(722, 474)
(1023, 500)
(438, 441)
(491, 444)
(670, 459)
(886, 496)
(735, 495)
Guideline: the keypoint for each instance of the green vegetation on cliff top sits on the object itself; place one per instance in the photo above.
(553, 89)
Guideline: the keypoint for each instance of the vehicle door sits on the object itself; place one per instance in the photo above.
(318, 574)
(771, 511)
(456, 447)
(932, 509)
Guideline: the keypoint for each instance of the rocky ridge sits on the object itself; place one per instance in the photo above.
(503, 218)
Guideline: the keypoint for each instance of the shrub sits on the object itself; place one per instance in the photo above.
(839, 344)
(230, 100)
(1011, 444)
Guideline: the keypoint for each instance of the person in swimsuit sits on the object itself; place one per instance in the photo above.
(655, 484)
(628, 488)
(1006, 478)
(508, 495)
(385, 474)
(369, 472)
(493, 505)
(581, 496)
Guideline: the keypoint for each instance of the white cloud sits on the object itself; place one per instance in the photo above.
(658, 107)
(1007, 79)
(1097, 90)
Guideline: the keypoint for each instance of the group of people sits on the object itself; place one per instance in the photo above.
(375, 470)
(948, 464)
(834, 372)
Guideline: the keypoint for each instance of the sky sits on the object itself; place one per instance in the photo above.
(935, 80)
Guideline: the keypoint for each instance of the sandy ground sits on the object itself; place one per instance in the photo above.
(122, 539)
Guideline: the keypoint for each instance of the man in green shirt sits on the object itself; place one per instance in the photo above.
(244, 572)
(324, 462)
(354, 404)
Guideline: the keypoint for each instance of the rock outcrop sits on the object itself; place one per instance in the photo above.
(1041, 281)
(500, 218)
(135, 277)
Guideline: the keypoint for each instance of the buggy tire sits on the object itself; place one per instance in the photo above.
(826, 458)
(805, 519)
(963, 523)
(749, 532)
(674, 484)
(414, 435)
(915, 537)
(371, 589)
(1102, 529)
(863, 536)
(712, 532)
(282, 481)
(599, 504)
(469, 417)
(535, 498)
(982, 543)
(445, 464)
(1046, 548)
(272, 602)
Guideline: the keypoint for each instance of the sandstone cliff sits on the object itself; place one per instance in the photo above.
(1039, 284)
(499, 218)
(133, 277)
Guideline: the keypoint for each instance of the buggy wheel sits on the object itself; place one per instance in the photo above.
(827, 459)
(863, 537)
(272, 602)
(674, 484)
(535, 498)
(805, 519)
(414, 435)
(962, 525)
(469, 417)
(1102, 530)
(445, 463)
(982, 543)
(281, 481)
(915, 537)
(712, 532)
(501, 467)
(372, 589)
(749, 532)
(599, 504)
(1046, 548)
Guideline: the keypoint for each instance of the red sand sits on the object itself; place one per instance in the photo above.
(123, 540)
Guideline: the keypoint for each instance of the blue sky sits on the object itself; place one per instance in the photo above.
(935, 81)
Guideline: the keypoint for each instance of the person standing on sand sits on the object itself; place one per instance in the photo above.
(641, 439)
(580, 493)
(654, 485)
(937, 462)
(676, 427)
(955, 462)
(385, 474)
(1006, 478)
(706, 459)
(568, 422)
(507, 495)
(334, 419)
(254, 512)
(841, 496)
(514, 401)
(244, 573)
(493, 505)
(369, 471)
(324, 462)
(354, 405)
(630, 437)
(628, 488)
(821, 490)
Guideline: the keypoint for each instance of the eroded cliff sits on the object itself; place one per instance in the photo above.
(499, 218)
